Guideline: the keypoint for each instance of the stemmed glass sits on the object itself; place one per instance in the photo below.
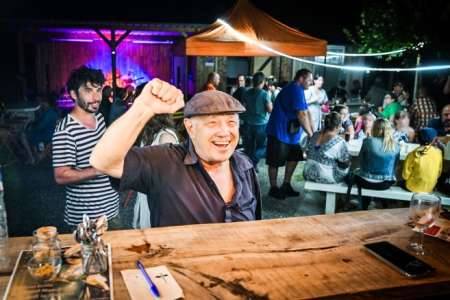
(424, 211)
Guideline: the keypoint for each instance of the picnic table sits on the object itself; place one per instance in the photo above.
(294, 258)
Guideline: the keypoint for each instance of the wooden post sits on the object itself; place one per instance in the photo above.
(416, 78)
(113, 43)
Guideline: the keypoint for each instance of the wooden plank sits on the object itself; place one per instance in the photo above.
(294, 258)
(393, 193)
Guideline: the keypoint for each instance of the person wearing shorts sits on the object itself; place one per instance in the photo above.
(286, 123)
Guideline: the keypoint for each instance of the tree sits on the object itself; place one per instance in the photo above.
(390, 25)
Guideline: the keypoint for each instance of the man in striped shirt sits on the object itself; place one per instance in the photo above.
(87, 190)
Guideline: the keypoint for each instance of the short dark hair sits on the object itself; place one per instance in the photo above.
(83, 75)
(301, 73)
(332, 121)
(258, 78)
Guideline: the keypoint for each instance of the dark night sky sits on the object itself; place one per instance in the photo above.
(322, 19)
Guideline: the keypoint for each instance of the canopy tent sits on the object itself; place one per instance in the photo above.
(218, 40)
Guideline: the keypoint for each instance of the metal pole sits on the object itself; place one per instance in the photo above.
(113, 60)
(416, 78)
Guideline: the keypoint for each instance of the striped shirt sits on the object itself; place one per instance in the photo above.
(72, 146)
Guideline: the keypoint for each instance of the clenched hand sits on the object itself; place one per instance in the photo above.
(160, 97)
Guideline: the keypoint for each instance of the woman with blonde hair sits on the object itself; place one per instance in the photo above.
(378, 158)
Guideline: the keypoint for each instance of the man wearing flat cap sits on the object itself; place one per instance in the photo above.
(203, 180)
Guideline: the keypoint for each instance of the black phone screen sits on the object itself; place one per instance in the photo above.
(400, 259)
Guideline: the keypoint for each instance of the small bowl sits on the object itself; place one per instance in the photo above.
(45, 269)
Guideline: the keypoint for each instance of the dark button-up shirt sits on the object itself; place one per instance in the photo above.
(181, 192)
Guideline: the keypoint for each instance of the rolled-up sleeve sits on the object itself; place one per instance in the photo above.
(138, 170)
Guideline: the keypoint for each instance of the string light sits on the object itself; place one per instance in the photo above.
(416, 47)
(366, 54)
(246, 39)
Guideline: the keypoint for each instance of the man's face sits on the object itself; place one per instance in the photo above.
(88, 97)
(214, 137)
(241, 81)
(446, 116)
(398, 89)
(307, 81)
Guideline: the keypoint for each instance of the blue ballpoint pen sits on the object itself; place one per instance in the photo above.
(152, 286)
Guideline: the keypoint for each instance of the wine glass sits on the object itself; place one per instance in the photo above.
(424, 210)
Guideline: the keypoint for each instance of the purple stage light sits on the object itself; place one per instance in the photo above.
(71, 40)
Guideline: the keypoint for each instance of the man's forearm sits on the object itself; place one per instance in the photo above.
(304, 119)
(109, 154)
(69, 175)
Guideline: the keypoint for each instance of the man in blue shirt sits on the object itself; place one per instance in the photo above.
(284, 129)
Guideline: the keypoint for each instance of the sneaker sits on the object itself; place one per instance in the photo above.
(288, 191)
(276, 192)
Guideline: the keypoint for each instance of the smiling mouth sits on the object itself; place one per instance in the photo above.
(221, 145)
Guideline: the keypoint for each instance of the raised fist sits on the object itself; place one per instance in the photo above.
(160, 97)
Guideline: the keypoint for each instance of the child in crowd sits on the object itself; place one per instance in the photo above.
(347, 128)
(423, 166)
(403, 132)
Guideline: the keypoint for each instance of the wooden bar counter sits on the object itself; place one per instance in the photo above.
(294, 258)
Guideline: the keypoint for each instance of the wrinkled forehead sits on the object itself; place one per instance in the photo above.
(215, 117)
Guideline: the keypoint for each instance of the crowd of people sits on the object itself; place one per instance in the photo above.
(301, 122)
(126, 140)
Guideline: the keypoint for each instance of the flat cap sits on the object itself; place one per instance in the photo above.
(212, 103)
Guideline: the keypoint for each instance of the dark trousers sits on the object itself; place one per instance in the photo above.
(254, 139)
(361, 183)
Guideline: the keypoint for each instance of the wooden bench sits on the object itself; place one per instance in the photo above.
(394, 193)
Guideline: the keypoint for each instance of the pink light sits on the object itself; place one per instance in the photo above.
(72, 40)
(151, 42)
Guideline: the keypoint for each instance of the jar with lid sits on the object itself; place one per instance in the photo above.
(46, 261)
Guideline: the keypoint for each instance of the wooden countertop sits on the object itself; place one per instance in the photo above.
(295, 258)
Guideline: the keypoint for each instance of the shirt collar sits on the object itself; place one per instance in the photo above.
(242, 163)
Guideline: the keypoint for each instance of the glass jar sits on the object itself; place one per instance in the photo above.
(94, 262)
(46, 243)
(46, 261)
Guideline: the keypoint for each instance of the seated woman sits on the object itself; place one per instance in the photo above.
(378, 157)
(347, 127)
(367, 125)
(403, 132)
(390, 107)
(423, 166)
(327, 154)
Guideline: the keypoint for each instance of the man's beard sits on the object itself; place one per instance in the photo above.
(447, 125)
(85, 106)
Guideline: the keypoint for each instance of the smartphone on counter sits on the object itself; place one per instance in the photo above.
(400, 260)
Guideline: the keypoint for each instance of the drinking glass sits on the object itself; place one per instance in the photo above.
(424, 210)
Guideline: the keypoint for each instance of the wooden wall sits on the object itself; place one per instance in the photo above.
(55, 60)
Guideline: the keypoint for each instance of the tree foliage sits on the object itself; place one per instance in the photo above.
(388, 25)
